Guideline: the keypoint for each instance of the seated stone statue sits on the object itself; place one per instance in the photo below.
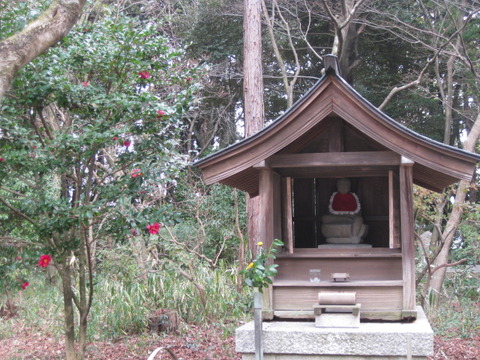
(344, 224)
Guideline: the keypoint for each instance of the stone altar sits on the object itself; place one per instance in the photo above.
(375, 340)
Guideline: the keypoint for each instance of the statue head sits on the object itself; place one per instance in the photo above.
(343, 185)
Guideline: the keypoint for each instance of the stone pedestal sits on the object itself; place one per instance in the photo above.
(337, 316)
(372, 341)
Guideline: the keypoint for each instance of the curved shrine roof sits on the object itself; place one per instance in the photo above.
(436, 165)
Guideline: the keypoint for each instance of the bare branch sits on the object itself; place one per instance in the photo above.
(13, 192)
(172, 240)
(18, 212)
(437, 53)
(157, 350)
(448, 265)
(332, 17)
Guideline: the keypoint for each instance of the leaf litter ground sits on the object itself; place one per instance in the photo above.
(192, 343)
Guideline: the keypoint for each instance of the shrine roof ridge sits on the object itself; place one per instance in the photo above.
(332, 71)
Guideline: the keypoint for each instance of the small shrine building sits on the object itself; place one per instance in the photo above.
(294, 165)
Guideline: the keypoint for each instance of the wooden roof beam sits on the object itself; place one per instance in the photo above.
(335, 159)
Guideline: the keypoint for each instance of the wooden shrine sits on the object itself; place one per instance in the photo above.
(294, 164)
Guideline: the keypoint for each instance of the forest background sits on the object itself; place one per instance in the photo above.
(105, 225)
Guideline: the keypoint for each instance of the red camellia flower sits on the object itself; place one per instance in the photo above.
(144, 75)
(24, 285)
(127, 143)
(134, 232)
(160, 113)
(115, 138)
(2, 159)
(136, 173)
(154, 228)
(19, 258)
(84, 83)
(189, 79)
(44, 260)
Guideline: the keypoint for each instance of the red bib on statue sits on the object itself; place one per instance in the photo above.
(344, 203)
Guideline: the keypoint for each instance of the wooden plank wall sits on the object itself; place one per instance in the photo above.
(377, 281)
(379, 268)
(371, 298)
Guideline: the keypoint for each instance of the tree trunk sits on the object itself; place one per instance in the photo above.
(241, 245)
(82, 305)
(68, 310)
(347, 51)
(252, 67)
(270, 22)
(449, 95)
(253, 93)
(455, 216)
(346, 36)
(39, 35)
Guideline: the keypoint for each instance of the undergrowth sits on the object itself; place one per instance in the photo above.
(458, 312)
(125, 298)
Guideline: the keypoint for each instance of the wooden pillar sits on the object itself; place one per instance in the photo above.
(270, 205)
(407, 233)
(269, 221)
(287, 214)
(277, 206)
(266, 211)
(393, 191)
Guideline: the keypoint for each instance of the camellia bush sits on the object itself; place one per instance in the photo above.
(90, 144)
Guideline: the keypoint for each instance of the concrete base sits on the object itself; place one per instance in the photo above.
(304, 341)
(337, 316)
(338, 320)
(331, 357)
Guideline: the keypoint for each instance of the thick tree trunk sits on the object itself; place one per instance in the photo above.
(346, 36)
(39, 35)
(348, 55)
(252, 67)
(253, 92)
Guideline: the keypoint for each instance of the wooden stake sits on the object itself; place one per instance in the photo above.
(257, 307)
